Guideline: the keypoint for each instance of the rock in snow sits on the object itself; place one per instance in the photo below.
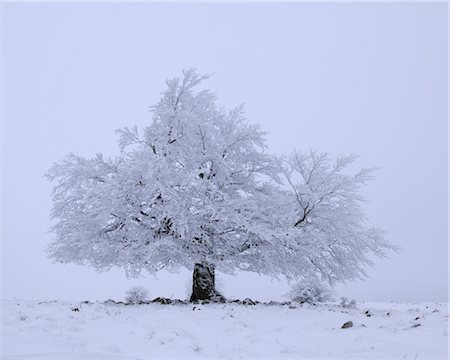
(347, 325)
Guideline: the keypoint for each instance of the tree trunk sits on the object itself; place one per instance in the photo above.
(204, 283)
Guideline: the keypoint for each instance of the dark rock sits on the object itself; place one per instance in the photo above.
(347, 325)
(75, 309)
(217, 298)
(112, 302)
(179, 302)
(163, 301)
(272, 302)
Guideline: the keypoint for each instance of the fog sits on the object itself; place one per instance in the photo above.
(344, 78)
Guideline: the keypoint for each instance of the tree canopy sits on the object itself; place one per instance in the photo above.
(198, 186)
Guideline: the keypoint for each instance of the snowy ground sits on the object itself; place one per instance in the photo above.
(52, 330)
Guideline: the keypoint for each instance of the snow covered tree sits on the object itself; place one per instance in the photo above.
(311, 291)
(197, 189)
(136, 295)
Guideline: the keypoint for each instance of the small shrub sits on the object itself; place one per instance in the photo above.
(347, 304)
(310, 291)
(136, 295)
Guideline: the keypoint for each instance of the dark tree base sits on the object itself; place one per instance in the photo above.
(204, 284)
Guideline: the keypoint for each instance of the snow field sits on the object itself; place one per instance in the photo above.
(40, 330)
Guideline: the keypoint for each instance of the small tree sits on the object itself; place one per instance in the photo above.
(310, 291)
(198, 190)
(136, 295)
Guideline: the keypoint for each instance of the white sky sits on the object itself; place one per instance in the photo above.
(344, 78)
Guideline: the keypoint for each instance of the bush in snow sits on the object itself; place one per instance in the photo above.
(310, 291)
(347, 304)
(136, 295)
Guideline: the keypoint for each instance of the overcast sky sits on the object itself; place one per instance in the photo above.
(343, 78)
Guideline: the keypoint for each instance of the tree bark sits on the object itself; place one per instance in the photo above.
(204, 283)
